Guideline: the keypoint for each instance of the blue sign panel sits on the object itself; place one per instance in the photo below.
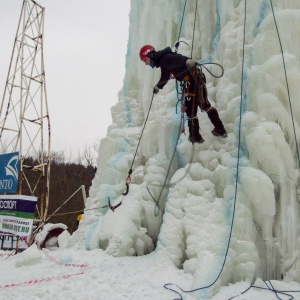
(9, 172)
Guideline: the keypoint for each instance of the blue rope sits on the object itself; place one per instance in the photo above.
(181, 20)
(269, 288)
(287, 84)
(216, 36)
(178, 42)
(166, 286)
(194, 28)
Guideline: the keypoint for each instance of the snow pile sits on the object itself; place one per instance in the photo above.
(48, 236)
(184, 209)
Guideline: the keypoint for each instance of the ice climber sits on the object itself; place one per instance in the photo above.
(184, 69)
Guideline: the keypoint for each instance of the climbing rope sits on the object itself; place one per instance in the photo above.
(286, 80)
(157, 208)
(270, 288)
(76, 211)
(180, 130)
(194, 28)
(167, 285)
(141, 134)
(211, 63)
(128, 179)
(178, 42)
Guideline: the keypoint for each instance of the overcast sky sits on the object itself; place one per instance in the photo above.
(85, 44)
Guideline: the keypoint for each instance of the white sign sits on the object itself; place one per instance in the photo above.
(16, 218)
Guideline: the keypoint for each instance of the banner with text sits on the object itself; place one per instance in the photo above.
(16, 214)
(9, 172)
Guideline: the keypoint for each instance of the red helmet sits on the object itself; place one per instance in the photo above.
(145, 50)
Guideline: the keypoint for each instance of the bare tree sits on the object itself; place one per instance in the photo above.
(89, 154)
(58, 157)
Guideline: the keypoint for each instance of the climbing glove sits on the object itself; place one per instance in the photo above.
(155, 90)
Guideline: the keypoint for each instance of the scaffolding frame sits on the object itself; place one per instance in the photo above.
(24, 117)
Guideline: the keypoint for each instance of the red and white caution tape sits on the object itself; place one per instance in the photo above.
(4, 254)
(34, 281)
(61, 264)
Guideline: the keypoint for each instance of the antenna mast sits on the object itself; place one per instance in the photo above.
(24, 117)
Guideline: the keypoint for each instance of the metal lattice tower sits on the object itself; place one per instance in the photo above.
(24, 117)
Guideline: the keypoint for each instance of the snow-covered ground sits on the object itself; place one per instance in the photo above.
(234, 198)
(78, 274)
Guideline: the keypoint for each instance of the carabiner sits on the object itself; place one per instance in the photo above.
(113, 207)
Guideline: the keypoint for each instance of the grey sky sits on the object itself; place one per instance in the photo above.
(85, 44)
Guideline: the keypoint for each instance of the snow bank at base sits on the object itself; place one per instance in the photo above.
(75, 274)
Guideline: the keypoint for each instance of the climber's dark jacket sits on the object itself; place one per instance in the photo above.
(173, 65)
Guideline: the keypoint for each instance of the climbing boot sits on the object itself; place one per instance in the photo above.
(195, 136)
(219, 132)
(198, 139)
(219, 129)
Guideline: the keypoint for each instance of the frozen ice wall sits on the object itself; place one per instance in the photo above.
(189, 220)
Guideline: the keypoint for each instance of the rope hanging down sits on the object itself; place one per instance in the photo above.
(178, 42)
(287, 84)
(194, 28)
(167, 285)
(269, 288)
(128, 178)
(180, 130)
